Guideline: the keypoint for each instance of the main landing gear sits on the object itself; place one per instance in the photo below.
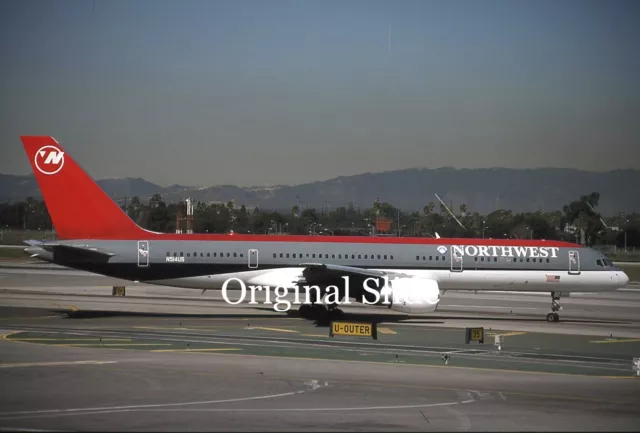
(553, 316)
(320, 311)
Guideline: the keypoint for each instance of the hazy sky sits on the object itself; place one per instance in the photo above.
(268, 91)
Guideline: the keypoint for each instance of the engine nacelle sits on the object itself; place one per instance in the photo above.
(411, 295)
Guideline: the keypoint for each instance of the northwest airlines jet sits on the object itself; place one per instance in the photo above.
(405, 274)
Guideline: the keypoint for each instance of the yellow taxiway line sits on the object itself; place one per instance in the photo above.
(630, 340)
(53, 364)
(197, 350)
(112, 344)
(271, 329)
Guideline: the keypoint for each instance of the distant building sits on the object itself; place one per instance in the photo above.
(383, 225)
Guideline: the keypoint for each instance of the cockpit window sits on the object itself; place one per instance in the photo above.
(604, 262)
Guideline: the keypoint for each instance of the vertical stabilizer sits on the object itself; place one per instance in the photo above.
(79, 208)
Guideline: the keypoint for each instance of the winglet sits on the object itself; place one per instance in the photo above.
(79, 208)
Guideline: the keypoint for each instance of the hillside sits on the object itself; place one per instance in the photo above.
(482, 190)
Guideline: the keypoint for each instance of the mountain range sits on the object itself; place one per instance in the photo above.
(482, 190)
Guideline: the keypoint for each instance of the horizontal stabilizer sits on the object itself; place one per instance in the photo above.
(77, 252)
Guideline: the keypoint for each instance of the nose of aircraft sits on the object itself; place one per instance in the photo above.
(623, 279)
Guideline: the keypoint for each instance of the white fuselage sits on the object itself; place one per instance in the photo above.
(517, 280)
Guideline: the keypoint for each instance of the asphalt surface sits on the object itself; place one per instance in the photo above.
(171, 359)
(63, 388)
(605, 314)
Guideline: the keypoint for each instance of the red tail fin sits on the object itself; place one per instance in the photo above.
(79, 208)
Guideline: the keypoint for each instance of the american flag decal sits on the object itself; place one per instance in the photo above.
(553, 278)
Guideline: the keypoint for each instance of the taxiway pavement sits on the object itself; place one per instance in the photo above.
(170, 359)
(607, 313)
(54, 388)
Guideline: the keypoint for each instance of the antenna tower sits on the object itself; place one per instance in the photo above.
(450, 213)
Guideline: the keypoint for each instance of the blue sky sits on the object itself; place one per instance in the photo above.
(267, 92)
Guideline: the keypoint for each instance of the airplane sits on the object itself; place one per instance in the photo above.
(409, 273)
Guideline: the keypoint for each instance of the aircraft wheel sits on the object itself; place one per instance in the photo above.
(336, 314)
(553, 317)
(319, 311)
(305, 311)
(312, 311)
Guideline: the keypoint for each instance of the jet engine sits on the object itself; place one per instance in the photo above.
(411, 295)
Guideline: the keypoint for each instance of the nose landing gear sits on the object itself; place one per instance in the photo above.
(553, 316)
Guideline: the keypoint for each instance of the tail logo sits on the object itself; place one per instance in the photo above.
(49, 160)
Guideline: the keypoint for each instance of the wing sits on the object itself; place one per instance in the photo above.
(328, 274)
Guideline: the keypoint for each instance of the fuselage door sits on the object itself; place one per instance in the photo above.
(253, 258)
(574, 262)
(456, 261)
(143, 253)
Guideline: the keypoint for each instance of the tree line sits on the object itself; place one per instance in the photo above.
(578, 221)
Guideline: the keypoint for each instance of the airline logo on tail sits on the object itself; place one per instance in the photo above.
(49, 159)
